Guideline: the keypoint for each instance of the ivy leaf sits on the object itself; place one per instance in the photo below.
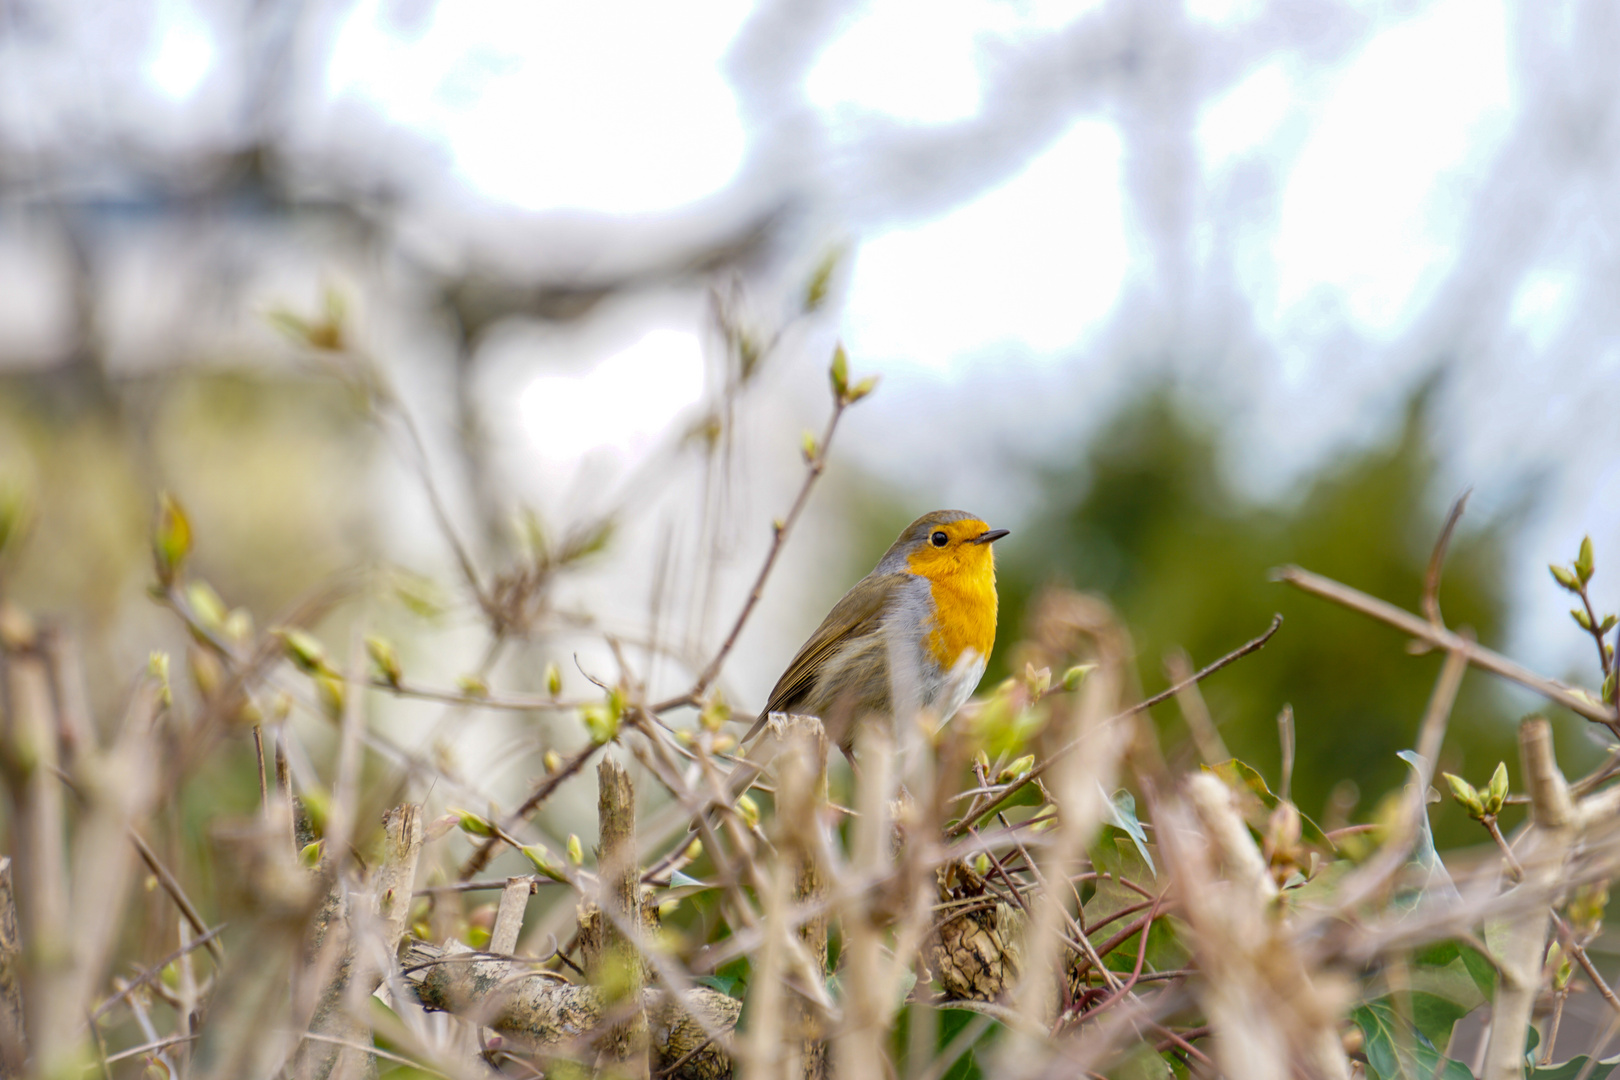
(1397, 1051)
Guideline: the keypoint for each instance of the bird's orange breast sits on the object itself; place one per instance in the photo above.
(963, 589)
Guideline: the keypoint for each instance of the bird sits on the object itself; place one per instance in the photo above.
(924, 620)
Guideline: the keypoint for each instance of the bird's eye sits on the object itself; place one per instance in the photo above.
(940, 539)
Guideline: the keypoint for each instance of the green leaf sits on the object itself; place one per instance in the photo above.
(1574, 1067)
(1397, 1051)
(1122, 812)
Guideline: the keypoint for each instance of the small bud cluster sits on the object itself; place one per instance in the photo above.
(1481, 804)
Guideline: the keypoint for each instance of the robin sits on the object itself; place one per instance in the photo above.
(924, 620)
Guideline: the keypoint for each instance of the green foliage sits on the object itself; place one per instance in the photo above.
(1148, 519)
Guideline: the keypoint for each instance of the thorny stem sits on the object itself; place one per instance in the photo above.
(978, 810)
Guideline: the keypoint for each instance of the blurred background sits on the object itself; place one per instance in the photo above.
(1178, 292)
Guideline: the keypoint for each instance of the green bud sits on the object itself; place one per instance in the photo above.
(1583, 561)
(329, 689)
(807, 446)
(541, 861)
(553, 679)
(1581, 618)
(601, 724)
(1608, 688)
(309, 856)
(1465, 793)
(238, 626)
(553, 761)
(472, 686)
(1608, 623)
(386, 660)
(982, 759)
(1075, 676)
(694, 851)
(472, 824)
(576, 850)
(862, 388)
(749, 809)
(839, 373)
(981, 865)
(157, 666)
(171, 539)
(715, 714)
(1037, 680)
(815, 292)
(1496, 791)
(1564, 577)
(303, 650)
(206, 605)
(1016, 769)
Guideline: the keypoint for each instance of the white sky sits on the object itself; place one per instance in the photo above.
(625, 109)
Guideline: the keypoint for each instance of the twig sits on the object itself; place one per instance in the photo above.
(178, 895)
(543, 791)
(153, 971)
(976, 812)
(1566, 938)
(816, 464)
(147, 1048)
(1441, 638)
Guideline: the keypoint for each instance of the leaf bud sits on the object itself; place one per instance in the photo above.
(472, 686)
(171, 539)
(715, 714)
(576, 850)
(303, 650)
(601, 724)
(385, 658)
(1582, 619)
(1465, 793)
(553, 762)
(694, 851)
(1037, 680)
(1496, 791)
(749, 809)
(1583, 562)
(807, 446)
(473, 824)
(862, 388)
(1565, 577)
(309, 856)
(839, 373)
(541, 862)
(329, 689)
(553, 679)
(206, 606)
(1016, 769)
(1075, 676)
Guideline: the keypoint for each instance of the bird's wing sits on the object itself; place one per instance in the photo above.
(858, 614)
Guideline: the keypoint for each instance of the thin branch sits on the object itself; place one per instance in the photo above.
(178, 895)
(153, 971)
(1442, 638)
(486, 851)
(816, 465)
(976, 812)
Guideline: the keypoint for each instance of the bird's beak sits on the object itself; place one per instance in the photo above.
(990, 537)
